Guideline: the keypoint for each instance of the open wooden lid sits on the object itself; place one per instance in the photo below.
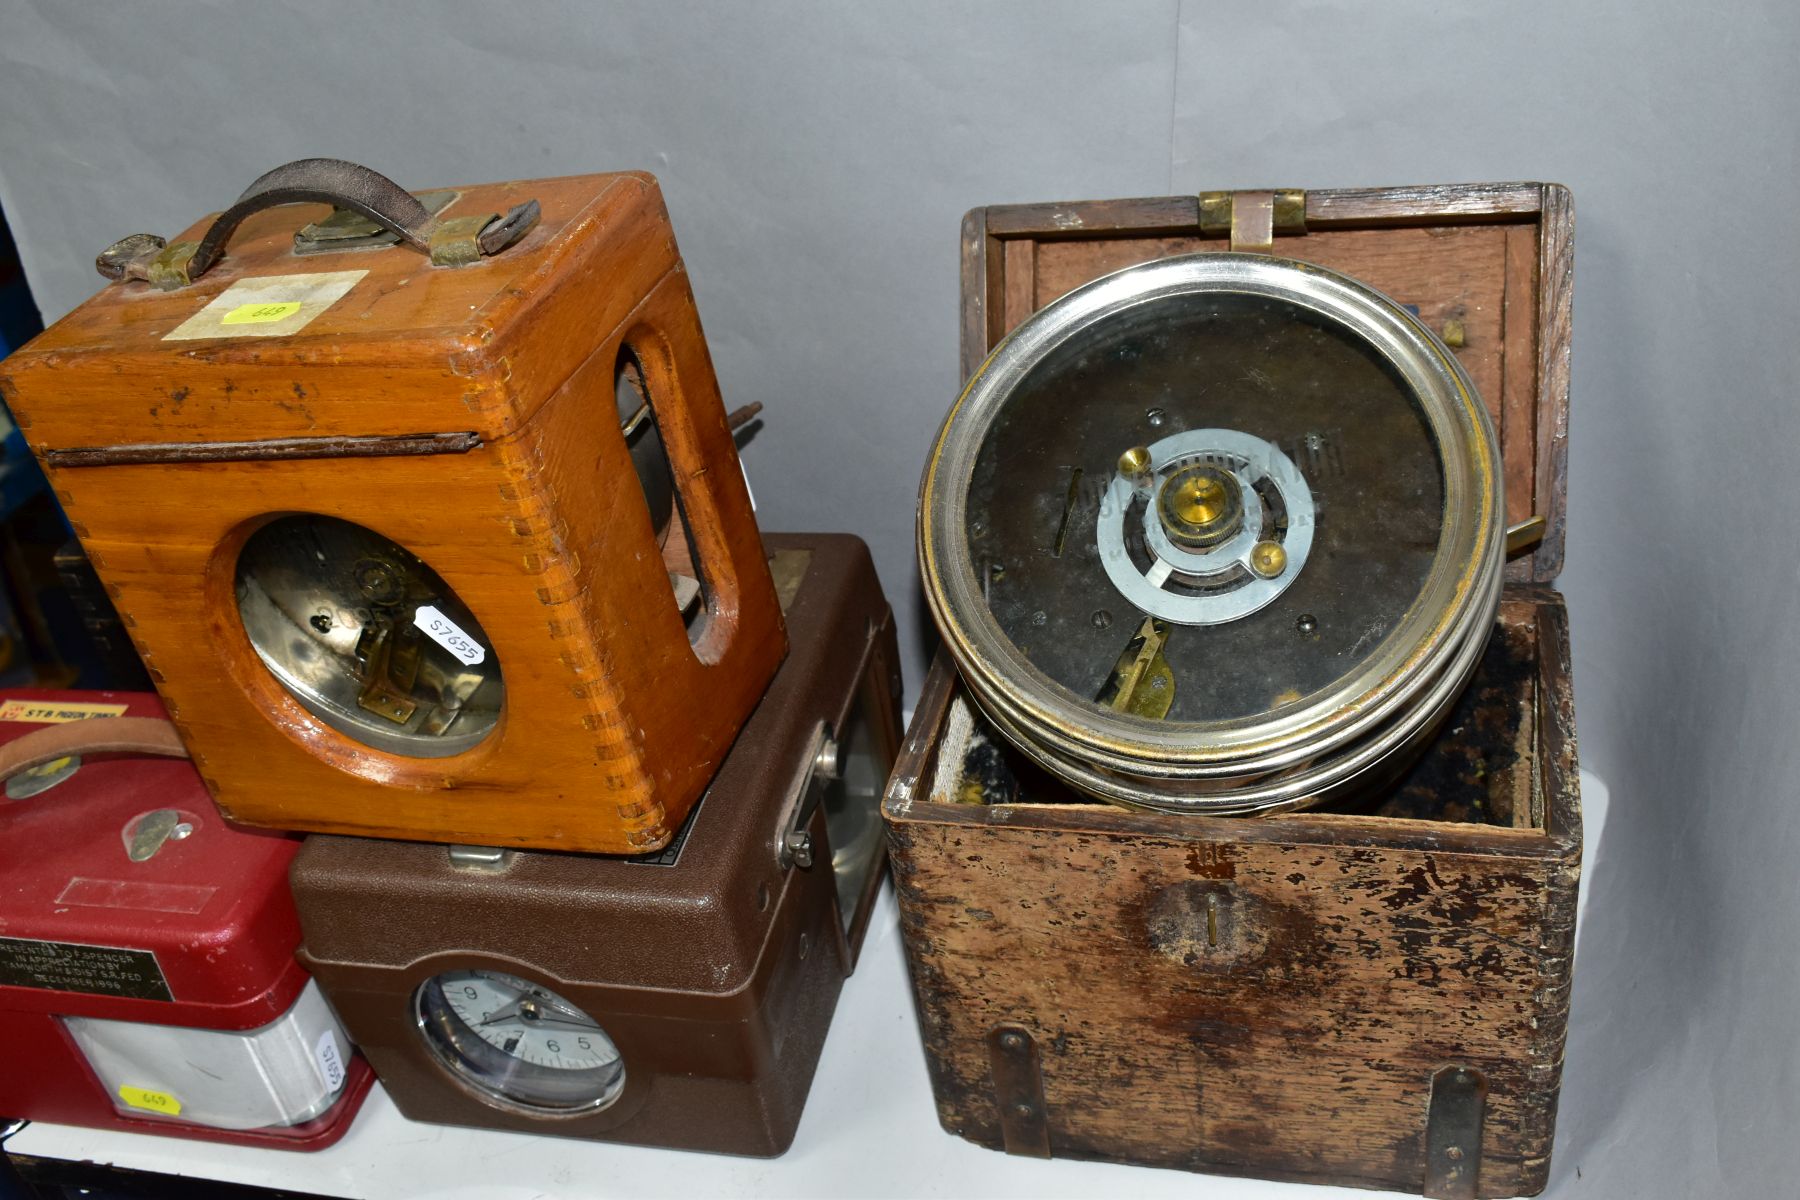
(1489, 267)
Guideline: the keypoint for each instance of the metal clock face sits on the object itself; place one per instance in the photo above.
(518, 1042)
(1216, 533)
(1263, 428)
(368, 637)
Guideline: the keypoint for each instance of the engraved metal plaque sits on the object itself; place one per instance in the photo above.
(72, 967)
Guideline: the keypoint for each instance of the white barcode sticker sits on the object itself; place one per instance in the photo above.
(449, 635)
(330, 1061)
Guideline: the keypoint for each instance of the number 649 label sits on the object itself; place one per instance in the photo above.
(449, 634)
(144, 1098)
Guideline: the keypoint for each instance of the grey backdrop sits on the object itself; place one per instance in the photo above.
(817, 158)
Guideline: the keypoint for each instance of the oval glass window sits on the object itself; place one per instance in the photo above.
(367, 637)
(518, 1043)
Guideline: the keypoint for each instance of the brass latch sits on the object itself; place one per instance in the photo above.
(1524, 536)
(1252, 219)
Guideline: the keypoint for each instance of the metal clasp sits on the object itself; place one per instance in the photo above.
(146, 834)
(347, 229)
(794, 843)
(1524, 536)
(1019, 1090)
(486, 860)
(1453, 1133)
(1253, 218)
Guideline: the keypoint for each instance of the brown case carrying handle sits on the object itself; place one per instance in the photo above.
(321, 180)
(153, 736)
(451, 241)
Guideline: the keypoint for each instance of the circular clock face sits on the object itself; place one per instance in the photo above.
(1217, 533)
(1262, 427)
(367, 637)
(518, 1042)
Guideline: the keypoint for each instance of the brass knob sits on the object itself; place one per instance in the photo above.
(1200, 505)
(1199, 500)
(1268, 559)
(1134, 463)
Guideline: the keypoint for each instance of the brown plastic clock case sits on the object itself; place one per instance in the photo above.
(715, 975)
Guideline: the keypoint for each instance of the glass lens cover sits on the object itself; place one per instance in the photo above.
(1205, 507)
(518, 1042)
(367, 637)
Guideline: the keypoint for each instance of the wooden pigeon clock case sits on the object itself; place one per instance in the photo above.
(423, 512)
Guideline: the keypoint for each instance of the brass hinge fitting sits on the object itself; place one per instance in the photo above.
(1525, 535)
(1252, 218)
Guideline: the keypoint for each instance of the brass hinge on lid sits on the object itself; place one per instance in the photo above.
(1252, 219)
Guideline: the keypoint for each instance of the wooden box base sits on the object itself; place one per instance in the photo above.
(1374, 997)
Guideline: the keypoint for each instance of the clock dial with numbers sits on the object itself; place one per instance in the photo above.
(518, 1043)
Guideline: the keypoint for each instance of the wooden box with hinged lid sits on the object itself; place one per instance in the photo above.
(423, 511)
(1373, 992)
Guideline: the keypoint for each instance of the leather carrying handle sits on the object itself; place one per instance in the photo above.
(151, 736)
(449, 241)
(323, 181)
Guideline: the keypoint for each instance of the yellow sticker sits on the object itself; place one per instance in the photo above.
(56, 712)
(149, 1101)
(266, 306)
(258, 314)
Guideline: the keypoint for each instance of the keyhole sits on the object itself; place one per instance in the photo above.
(1212, 920)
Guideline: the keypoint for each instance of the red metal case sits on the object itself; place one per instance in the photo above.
(200, 934)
